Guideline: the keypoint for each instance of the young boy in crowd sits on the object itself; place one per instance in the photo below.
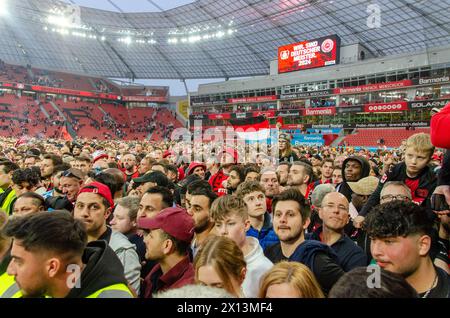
(230, 215)
(260, 221)
(414, 172)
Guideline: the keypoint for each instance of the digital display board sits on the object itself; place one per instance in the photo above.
(309, 54)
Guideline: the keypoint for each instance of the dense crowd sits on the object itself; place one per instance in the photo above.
(183, 219)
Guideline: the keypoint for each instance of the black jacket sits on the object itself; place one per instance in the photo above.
(349, 255)
(444, 172)
(289, 158)
(103, 268)
(427, 184)
(365, 170)
(319, 258)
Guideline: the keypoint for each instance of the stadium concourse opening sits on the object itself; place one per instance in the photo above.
(224, 149)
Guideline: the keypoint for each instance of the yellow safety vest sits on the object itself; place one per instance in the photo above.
(6, 206)
(113, 291)
(9, 287)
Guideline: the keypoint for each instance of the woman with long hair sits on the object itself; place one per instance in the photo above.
(220, 263)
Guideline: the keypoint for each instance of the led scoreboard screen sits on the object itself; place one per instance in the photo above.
(309, 54)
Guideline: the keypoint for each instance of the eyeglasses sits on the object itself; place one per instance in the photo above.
(390, 197)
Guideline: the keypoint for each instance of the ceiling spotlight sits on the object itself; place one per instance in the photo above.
(58, 21)
(3, 9)
(127, 40)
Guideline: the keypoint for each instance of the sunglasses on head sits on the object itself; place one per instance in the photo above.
(70, 174)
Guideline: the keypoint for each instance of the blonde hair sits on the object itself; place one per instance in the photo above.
(420, 142)
(225, 257)
(295, 274)
(226, 205)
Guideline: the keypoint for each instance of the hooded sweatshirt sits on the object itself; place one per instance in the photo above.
(317, 256)
(257, 266)
(365, 170)
(103, 268)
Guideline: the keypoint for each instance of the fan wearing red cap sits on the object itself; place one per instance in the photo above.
(168, 236)
(197, 168)
(93, 207)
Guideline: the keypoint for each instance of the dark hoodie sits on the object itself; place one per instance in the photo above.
(317, 256)
(102, 269)
(365, 170)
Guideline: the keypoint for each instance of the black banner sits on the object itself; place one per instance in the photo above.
(306, 94)
(428, 103)
(349, 109)
(198, 117)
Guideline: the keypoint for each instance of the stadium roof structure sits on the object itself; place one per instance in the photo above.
(207, 38)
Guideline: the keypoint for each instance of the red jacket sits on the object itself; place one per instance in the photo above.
(178, 276)
(440, 128)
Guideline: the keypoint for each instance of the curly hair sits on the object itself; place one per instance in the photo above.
(398, 218)
(26, 175)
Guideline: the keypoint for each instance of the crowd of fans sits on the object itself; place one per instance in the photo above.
(171, 218)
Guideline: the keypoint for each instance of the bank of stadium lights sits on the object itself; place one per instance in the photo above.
(129, 40)
(199, 37)
(3, 8)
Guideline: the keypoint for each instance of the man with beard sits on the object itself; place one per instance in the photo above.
(235, 178)
(48, 164)
(129, 166)
(290, 219)
(168, 236)
(55, 180)
(300, 176)
(93, 207)
(334, 214)
(283, 172)
(201, 200)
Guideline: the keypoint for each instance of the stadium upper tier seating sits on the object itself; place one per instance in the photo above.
(23, 116)
(393, 137)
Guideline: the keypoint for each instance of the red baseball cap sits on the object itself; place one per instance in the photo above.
(100, 189)
(174, 221)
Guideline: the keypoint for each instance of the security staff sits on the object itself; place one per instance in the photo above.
(56, 261)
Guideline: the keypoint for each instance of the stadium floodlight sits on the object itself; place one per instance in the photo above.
(127, 40)
(3, 8)
(220, 34)
(193, 39)
(102, 38)
(58, 21)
